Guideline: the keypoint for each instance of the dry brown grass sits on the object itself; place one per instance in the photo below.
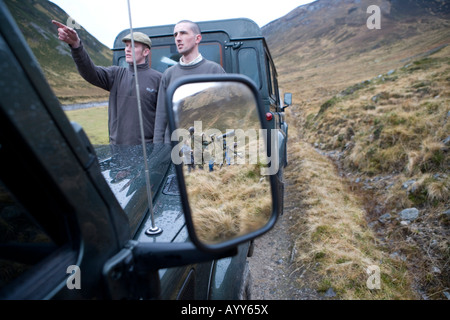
(333, 239)
(381, 133)
(228, 202)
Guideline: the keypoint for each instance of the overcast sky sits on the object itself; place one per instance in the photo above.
(104, 19)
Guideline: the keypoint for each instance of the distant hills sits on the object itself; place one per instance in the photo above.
(323, 47)
(319, 48)
(34, 18)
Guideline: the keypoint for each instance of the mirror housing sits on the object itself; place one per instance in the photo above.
(202, 97)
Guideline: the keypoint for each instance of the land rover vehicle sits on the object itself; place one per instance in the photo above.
(80, 223)
(240, 48)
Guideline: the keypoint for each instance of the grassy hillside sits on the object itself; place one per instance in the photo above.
(389, 137)
(34, 18)
(324, 47)
(376, 104)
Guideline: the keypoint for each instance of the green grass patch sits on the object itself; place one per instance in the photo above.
(94, 122)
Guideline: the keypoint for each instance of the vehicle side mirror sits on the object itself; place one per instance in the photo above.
(287, 100)
(220, 147)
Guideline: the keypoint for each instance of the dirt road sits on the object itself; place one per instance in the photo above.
(273, 272)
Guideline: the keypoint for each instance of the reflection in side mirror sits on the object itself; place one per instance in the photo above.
(219, 147)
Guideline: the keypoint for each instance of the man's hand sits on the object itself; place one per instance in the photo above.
(68, 35)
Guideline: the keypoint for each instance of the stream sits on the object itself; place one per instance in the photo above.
(77, 106)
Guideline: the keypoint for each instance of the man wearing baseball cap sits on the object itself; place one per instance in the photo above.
(123, 113)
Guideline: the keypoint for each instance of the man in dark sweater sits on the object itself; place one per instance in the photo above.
(187, 38)
(123, 113)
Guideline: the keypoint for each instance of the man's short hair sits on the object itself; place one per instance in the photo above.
(194, 26)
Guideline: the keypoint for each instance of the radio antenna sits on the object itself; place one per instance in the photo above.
(154, 230)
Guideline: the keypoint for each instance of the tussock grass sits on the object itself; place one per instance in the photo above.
(229, 201)
(333, 240)
(387, 139)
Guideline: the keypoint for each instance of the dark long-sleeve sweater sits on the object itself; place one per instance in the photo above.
(123, 114)
(161, 125)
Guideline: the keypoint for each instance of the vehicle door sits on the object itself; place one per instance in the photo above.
(56, 215)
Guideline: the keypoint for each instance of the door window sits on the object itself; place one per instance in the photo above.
(248, 64)
(23, 242)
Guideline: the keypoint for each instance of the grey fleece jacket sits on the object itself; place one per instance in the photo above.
(123, 114)
(161, 124)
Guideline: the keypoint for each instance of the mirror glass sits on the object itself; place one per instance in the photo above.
(288, 99)
(221, 147)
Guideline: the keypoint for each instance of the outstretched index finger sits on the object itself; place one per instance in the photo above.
(59, 24)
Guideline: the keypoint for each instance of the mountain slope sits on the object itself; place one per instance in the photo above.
(377, 104)
(34, 18)
(323, 47)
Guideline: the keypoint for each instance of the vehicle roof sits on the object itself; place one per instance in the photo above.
(237, 28)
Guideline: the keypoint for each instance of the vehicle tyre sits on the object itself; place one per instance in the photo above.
(245, 293)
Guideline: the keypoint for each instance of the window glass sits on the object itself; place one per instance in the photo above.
(212, 51)
(274, 82)
(23, 243)
(248, 64)
(166, 56)
(269, 78)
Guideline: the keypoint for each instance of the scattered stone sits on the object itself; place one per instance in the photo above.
(330, 293)
(446, 141)
(372, 224)
(409, 214)
(398, 256)
(385, 218)
(435, 270)
(408, 183)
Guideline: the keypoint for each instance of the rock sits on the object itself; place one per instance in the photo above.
(373, 224)
(384, 218)
(409, 214)
(397, 256)
(435, 269)
(447, 295)
(446, 141)
(408, 183)
(330, 293)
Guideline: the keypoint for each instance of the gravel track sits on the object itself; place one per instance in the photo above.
(274, 273)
